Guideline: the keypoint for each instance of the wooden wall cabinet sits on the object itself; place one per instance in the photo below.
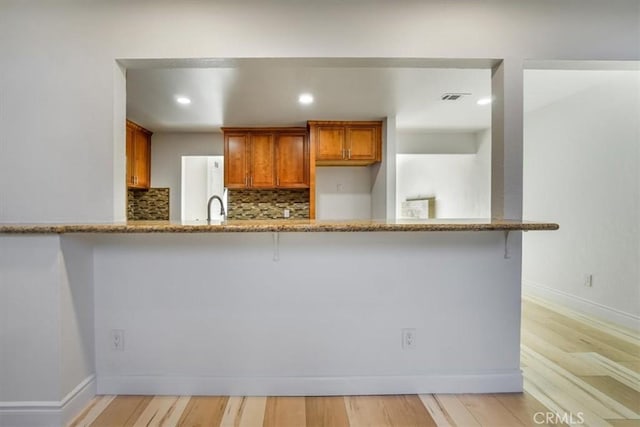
(292, 160)
(236, 164)
(266, 158)
(339, 143)
(138, 156)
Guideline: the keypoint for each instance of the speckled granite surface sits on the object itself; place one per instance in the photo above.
(250, 226)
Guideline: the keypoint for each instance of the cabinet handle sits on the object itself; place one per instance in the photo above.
(251, 180)
(343, 150)
(278, 181)
(349, 153)
(246, 181)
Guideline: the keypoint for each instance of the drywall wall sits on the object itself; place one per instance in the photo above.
(383, 174)
(30, 318)
(58, 102)
(581, 170)
(119, 149)
(167, 150)
(76, 314)
(47, 360)
(443, 176)
(215, 314)
(415, 142)
(343, 192)
(460, 182)
(481, 198)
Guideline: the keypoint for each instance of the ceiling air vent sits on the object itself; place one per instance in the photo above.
(453, 96)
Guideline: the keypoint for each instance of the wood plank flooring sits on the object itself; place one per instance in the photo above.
(582, 369)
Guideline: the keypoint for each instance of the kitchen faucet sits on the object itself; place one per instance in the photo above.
(209, 208)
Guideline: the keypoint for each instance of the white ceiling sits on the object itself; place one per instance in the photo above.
(265, 92)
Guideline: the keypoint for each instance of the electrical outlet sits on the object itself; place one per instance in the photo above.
(409, 339)
(117, 339)
(286, 213)
(588, 280)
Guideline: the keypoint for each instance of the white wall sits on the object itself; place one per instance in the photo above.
(481, 198)
(581, 170)
(421, 142)
(343, 192)
(76, 314)
(460, 182)
(58, 88)
(214, 314)
(383, 174)
(30, 328)
(167, 150)
(47, 359)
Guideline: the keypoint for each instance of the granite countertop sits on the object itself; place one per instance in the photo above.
(234, 226)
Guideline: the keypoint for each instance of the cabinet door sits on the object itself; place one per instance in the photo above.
(236, 163)
(263, 174)
(291, 161)
(130, 155)
(330, 142)
(142, 162)
(362, 143)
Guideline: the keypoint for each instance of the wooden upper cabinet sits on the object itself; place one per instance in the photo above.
(292, 161)
(262, 170)
(130, 154)
(333, 143)
(236, 160)
(138, 156)
(346, 143)
(363, 143)
(271, 158)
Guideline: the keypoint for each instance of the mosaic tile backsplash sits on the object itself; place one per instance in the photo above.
(268, 204)
(148, 205)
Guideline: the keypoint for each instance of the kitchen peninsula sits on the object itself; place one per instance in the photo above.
(235, 226)
(262, 304)
(287, 307)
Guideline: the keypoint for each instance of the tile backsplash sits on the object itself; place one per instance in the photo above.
(268, 204)
(148, 205)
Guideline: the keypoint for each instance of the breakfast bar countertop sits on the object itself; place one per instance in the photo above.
(277, 225)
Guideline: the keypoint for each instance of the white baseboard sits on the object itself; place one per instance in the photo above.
(311, 386)
(582, 305)
(48, 413)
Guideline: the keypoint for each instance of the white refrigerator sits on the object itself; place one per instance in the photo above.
(202, 177)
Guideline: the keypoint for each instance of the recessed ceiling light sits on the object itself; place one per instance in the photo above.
(183, 100)
(485, 101)
(305, 98)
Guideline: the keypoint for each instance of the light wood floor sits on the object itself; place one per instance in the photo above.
(574, 366)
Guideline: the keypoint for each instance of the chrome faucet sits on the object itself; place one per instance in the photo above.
(209, 208)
